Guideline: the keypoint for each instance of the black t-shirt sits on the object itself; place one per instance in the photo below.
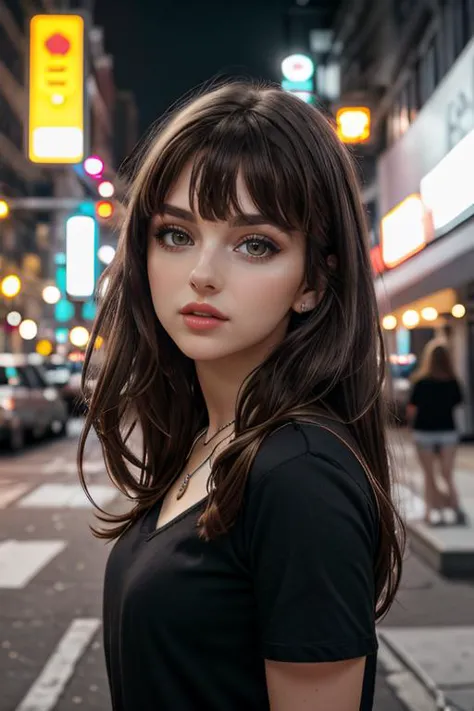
(188, 624)
(435, 400)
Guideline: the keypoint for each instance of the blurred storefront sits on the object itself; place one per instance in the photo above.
(425, 260)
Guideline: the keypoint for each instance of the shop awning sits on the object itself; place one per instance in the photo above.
(446, 263)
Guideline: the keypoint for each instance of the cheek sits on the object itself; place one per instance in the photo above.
(158, 279)
(159, 275)
(273, 287)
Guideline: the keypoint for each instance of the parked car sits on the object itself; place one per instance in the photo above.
(29, 405)
(65, 373)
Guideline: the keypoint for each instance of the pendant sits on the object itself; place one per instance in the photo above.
(182, 489)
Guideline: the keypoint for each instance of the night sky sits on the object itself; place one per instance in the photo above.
(164, 48)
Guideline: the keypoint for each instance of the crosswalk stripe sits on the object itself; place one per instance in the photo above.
(67, 496)
(10, 492)
(43, 695)
(20, 561)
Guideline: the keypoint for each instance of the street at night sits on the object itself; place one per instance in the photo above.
(248, 232)
(51, 573)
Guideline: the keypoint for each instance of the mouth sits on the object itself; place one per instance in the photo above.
(203, 311)
(203, 314)
(202, 317)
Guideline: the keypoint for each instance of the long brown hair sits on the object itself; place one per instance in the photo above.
(301, 177)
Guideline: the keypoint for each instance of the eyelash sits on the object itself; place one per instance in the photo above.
(269, 244)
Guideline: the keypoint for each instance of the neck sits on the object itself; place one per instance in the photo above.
(220, 382)
(220, 387)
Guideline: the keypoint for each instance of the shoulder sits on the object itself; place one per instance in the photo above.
(306, 484)
(312, 458)
(420, 385)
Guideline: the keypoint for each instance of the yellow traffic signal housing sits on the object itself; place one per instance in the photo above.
(56, 92)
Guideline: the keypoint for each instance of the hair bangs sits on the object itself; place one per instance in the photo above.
(237, 147)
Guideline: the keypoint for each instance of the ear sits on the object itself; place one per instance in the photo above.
(307, 299)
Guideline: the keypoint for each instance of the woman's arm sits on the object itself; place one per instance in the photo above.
(312, 526)
(413, 402)
(315, 687)
(411, 411)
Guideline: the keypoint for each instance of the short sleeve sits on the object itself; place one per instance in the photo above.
(312, 543)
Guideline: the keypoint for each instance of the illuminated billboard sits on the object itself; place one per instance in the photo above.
(56, 92)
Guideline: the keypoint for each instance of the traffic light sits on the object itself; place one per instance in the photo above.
(353, 124)
(56, 89)
(104, 209)
(4, 209)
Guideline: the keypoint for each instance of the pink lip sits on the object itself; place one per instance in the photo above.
(202, 323)
(207, 309)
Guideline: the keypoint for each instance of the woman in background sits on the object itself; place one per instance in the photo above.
(435, 394)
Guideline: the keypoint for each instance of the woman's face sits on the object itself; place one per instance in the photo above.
(250, 271)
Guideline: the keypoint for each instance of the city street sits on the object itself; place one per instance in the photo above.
(314, 156)
(51, 570)
(50, 581)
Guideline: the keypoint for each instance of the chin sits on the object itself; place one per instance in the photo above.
(200, 349)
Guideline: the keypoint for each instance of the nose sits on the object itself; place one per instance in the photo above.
(205, 277)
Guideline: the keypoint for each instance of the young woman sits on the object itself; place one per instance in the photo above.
(241, 334)
(435, 394)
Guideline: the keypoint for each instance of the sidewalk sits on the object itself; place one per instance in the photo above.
(409, 472)
(449, 549)
(430, 628)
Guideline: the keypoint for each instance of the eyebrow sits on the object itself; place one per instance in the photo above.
(243, 220)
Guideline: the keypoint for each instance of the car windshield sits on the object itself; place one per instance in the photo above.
(56, 373)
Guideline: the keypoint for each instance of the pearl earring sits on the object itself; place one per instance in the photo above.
(304, 307)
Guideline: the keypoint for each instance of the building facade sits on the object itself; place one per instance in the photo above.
(414, 61)
(23, 244)
(32, 243)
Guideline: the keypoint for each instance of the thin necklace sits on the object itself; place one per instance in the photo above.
(219, 430)
(184, 484)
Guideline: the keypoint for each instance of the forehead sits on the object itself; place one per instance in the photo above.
(179, 193)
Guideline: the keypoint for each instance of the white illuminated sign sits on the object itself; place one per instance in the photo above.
(80, 256)
(403, 231)
(297, 67)
(62, 142)
(448, 189)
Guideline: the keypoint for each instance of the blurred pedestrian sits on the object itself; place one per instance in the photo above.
(240, 332)
(436, 392)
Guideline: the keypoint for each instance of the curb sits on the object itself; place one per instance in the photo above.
(441, 702)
